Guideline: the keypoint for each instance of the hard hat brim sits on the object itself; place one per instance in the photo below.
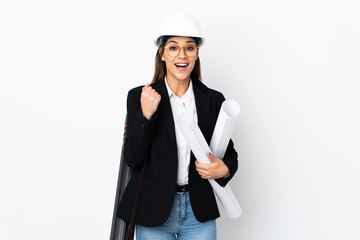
(158, 40)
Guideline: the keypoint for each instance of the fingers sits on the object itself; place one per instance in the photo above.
(216, 169)
(149, 92)
(150, 100)
(201, 166)
(203, 170)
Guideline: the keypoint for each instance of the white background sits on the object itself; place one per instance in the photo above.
(293, 66)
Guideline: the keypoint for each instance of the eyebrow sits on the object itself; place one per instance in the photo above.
(191, 41)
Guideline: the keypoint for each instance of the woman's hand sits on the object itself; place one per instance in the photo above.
(149, 101)
(216, 169)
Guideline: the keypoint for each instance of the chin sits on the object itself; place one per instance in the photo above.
(183, 78)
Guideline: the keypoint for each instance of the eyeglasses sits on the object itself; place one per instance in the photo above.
(174, 50)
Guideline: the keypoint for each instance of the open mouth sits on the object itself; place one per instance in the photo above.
(181, 65)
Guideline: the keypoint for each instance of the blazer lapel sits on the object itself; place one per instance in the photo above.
(202, 108)
(164, 110)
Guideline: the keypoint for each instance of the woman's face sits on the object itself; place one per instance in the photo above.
(179, 66)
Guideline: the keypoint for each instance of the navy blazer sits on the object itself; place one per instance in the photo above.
(156, 141)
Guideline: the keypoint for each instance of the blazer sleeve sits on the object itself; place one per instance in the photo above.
(140, 131)
(230, 158)
(231, 161)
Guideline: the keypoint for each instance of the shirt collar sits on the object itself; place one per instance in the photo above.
(188, 94)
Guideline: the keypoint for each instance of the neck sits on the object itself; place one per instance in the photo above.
(179, 87)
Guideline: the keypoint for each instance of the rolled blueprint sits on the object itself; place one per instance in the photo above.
(223, 129)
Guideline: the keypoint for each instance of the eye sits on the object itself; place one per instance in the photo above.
(173, 48)
(191, 48)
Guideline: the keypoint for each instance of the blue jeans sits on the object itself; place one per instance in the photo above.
(181, 224)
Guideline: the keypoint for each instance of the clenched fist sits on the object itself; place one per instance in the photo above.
(149, 101)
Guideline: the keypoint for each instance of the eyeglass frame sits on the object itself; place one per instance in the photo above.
(180, 48)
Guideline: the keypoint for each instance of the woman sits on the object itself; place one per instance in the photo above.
(176, 198)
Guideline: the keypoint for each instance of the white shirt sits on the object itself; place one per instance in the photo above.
(178, 106)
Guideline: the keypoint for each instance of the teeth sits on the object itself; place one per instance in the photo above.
(181, 65)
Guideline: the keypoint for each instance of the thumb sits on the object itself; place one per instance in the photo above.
(211, 156)
(146, 86)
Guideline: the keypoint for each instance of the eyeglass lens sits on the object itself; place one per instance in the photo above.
(174, 50)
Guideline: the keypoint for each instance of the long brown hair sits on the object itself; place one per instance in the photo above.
(160, 67)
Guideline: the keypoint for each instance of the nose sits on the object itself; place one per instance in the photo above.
(182, 52)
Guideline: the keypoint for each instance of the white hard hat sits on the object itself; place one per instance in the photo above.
(179, 24)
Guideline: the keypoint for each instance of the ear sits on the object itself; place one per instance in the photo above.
(161, 54)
